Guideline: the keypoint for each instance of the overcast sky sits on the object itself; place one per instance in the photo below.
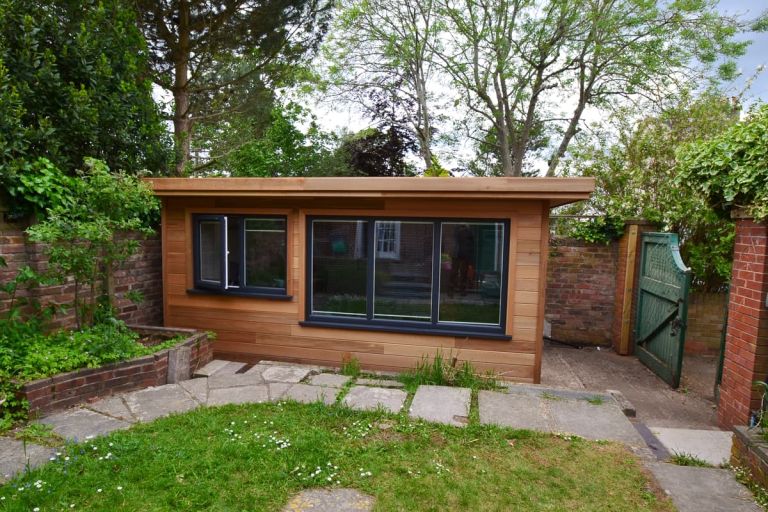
(757, 53)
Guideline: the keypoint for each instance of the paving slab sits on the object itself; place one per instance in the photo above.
(515, 411)
(258, 368)
(331, 380)
(307, 394)
(81, 424)
(198, 388)
(603, 421)
(442, 404)
(330, 500)
(288, 374)
(155, 402)
(233, 380)
(112, 406)
(277, 390)
(210, 368)
(239, 395)
(364, 398)
(14, 457)
(695, 489)
(380, 383)
(711, 446)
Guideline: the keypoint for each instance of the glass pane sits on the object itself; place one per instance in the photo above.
(403, 270)
(471, 270)
(210, 251)
(339, 267)
(265, 256)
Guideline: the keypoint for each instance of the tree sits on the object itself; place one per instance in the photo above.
(379, 151)
(284, 150)
(638, 176)
(73, 85)
(521, 62)
(82, 236)
(386, 47)
(217, 57)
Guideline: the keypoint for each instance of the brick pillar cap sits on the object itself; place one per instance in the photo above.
(741, 214)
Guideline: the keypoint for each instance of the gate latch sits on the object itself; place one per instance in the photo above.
(675, 326)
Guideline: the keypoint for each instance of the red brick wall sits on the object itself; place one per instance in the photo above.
(581, 291)
(67, 389)
(142, 272)
(746, 352)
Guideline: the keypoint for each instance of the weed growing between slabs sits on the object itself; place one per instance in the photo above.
(255, 457)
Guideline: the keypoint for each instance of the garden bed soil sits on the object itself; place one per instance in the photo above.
(163, 367)
(750, 450)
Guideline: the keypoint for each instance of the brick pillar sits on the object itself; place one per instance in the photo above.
(746, 342)
(626, 285)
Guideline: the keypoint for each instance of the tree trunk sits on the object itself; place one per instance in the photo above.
(182, 120)
(425, 130)
(567, 136)
(504, 149)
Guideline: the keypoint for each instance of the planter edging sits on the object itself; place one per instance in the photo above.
(167, 366)
(750, 450)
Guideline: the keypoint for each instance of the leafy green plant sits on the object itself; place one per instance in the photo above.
(731, 169)
(596, 400)
(686, 459)
(28, 354)
(598, 230)
(350, 366)
(442, 371)
(85, 239)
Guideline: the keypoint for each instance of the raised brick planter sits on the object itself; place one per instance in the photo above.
(67, 389)
(750, 450)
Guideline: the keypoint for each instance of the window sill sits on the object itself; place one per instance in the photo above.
(223, 293)
(453, 333)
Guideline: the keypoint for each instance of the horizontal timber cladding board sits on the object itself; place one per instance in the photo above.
(258, 328)
(252, 353)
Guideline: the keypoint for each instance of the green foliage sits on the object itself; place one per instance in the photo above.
(73, 84)
(350, 366)
(26, 353)
(82, 236)
(686, 459)
(634, 170)
(436, 170)
(282, 150)
(597, 230)
(444, 372)
(731, 169)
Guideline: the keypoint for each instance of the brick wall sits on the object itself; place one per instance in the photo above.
(706, 312)
(581, 291)
(142, 273)
(746, 352)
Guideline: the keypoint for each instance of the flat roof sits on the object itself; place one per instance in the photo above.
(557, 191)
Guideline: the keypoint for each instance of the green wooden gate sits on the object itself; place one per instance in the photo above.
(662, 306)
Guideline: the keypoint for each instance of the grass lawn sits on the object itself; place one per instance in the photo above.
(255, 457)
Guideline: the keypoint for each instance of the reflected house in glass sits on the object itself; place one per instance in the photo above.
(386, 270)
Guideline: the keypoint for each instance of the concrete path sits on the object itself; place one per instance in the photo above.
(589, 414)
(703, 489)
(690, 406)
(330, 500)
(711, 446)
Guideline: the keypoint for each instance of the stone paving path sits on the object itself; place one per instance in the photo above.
(591, 415)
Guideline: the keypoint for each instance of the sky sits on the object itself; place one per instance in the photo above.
(757, 52)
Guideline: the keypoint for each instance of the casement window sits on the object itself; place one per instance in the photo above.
(240, 254)
(446, 276)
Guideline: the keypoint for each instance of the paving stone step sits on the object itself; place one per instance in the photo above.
(366, 398)
(442, 404)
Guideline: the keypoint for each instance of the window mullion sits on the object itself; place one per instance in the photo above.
(371, 268)
(225, 258)
(436, 269)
